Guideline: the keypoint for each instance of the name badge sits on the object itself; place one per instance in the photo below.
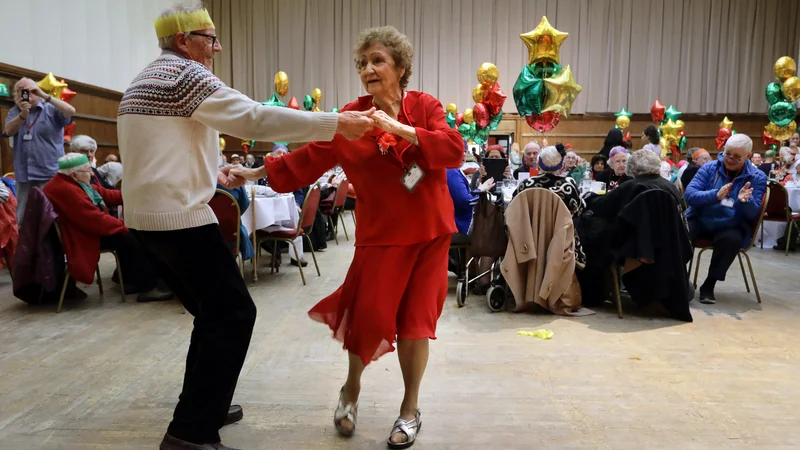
(412, 177)
(27, 137)
(727, 202)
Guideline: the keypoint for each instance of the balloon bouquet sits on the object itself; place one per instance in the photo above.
(671, 130)
(544, 92)
(623, 121)
(58, 89)
(475, 123)
(312, 102)
(724, 133)
(780, 96)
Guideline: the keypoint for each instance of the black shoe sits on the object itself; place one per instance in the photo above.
(782, 248)
(707, 297)
(303, 262)
(74, 293)
(234, 415)
(154, 295)
(173, 443)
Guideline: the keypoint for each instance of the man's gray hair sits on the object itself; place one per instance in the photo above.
(740, 140)
(72, 170)
(531, 144)
(643, 162)
(187, 6)
(82, 143)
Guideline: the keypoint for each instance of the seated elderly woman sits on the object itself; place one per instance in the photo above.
(597, 224)
(480, 176)
(598, 165)
(86, 145)
(551, 160)
(615, 174)
(724, 203)
(86, 227)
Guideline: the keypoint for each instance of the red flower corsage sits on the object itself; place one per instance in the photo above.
(385, 142)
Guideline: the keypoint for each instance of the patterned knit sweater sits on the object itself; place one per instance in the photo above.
(168, 128)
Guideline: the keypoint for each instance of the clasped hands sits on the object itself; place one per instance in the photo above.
(744, 194)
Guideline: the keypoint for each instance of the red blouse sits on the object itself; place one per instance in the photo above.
(387, 213)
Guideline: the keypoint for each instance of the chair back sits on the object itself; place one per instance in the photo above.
(778, 205)
(341, 195)
(310, 206)
(226, 208)
(760, 218)
(9, 175)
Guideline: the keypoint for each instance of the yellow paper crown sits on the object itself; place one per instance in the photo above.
(183, 23)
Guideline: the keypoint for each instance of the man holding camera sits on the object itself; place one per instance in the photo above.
(37, 125)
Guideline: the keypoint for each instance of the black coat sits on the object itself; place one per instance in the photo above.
(651, 229)
(688, 174)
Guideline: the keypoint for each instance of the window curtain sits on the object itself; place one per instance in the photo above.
(703, 56)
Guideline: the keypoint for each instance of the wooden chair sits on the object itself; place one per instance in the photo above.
(57, 227)
(226, 208)
(778, 210)
(9, 175)
(307, 214)
(705, 244)
(338, 207)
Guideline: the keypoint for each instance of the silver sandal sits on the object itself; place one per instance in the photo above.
(408, 427)
(348, 411)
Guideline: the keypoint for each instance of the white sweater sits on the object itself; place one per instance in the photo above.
(168, 129)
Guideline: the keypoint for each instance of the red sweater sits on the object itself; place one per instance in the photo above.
(82, 223)
(387, 213)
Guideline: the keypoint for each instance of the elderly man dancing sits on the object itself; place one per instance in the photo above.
(169, 123)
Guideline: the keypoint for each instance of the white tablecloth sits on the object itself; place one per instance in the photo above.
(273, 214)
(774, 230)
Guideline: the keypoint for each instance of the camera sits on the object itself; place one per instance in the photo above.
(26, 95)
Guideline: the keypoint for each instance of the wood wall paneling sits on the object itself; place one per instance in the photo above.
(96, 114)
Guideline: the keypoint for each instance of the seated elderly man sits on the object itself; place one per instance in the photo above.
(86, 227)
(530, 160)
(724, 201)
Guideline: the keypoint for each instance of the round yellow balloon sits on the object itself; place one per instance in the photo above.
(281, 83)
(222, 143)
(623, 122)
(477, 93)
(468, 118)
(317, 95)
(781, 133)
(487, 75)
(791, 88)
(785, 67)
(452, 108)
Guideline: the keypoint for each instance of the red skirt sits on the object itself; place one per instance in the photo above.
(390, 292)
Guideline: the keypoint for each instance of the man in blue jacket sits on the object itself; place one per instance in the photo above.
(724, 202)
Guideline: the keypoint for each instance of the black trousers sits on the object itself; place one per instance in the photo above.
(200, 269)
(726, 244)
(138, 272)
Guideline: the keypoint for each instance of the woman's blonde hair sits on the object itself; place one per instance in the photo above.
(395, 41)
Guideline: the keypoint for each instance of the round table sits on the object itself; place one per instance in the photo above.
(775, 230)
(272, 214)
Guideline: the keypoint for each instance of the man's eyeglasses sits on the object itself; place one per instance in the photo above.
(212, 36)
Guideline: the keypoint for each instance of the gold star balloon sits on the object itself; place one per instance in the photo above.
(543, 42)
(726, 123)
(561, 92)
(50, 85)
(671, 128)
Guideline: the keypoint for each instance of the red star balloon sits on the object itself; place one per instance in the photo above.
(67, 94)
(494, 99)
(293, 103)
(68, 130)
(723, 134)
(657, 111)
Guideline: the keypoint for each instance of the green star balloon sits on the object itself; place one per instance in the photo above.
(672, 113)
(624, 113)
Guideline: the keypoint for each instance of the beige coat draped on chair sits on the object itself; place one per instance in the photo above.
(539, 265)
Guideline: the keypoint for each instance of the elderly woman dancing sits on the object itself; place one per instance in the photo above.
(397, 283)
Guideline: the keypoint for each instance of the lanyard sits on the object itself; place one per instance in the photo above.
(28, 131)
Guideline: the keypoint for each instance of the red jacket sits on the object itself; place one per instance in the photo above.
(82, 223)
(387, 213)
